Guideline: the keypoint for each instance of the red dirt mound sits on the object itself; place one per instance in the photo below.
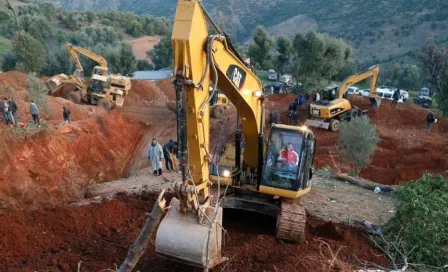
(147, 91)
(167, 88)
(98, 236)
(43, 167)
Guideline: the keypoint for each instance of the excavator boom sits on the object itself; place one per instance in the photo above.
(203, 64)
(73, 50)
(371, 72)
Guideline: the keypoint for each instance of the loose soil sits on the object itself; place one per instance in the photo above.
(97, 236)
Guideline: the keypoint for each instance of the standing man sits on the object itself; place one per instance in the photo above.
(5, 111)
(314, 97)
(430, 120)
(66, 115)
(13, 109)
(155, 155)
(34, 110)
(169, 148)
(395, 97)
(317, 96)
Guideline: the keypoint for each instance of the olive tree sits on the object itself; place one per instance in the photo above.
(358, 140)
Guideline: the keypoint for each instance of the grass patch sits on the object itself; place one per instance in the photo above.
(5, 45)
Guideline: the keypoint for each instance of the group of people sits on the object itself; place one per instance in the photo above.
(157, 153)
(9, 110)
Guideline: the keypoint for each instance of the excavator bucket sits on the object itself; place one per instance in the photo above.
(375, 101)
(181, 238)
(55, 82)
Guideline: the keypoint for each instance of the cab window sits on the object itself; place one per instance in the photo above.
(283, 159)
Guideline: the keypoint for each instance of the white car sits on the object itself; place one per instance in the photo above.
(352, 90)
(365, 92)
(272, 75)
(286, 79)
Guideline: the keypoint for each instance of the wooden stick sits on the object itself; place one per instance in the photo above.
(334, 162)
(365, 183)
(137, 249)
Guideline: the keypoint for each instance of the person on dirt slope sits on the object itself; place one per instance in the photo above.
(5, 111)
(155, 155)
(395, 97)
(430, 120)
(34, 110)
(66, 115)
(13, 108)
(168, 148)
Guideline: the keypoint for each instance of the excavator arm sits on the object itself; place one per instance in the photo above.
(371, 72)
(203, 64)
(74, 50)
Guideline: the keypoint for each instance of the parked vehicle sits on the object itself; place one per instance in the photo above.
(426, 92)
(365, 92)
(286, 79)
(424, 101)
(352, 90)
(405, 95)
(272, 75)
(279, 87)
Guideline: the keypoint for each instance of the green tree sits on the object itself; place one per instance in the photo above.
(260, 50)
(143, 65)
(442, 96)
(358, 140)
(435, 61)
(127, 60)
(30, 53)
(57, 62)
(90, 16)
(9, 61)
(317, 56)
(284, 49)
(420, 225)
(162, 54)
(38, 92)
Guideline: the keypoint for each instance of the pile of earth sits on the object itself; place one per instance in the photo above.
(97, 237)
(52, 164)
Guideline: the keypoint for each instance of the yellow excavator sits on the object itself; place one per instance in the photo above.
(334, 108)
(268, 175)
(103, 88)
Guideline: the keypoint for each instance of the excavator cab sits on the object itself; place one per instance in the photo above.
(288, 160)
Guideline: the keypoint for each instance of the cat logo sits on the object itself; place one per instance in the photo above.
(236, 75)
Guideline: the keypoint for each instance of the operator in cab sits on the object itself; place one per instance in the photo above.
(289, 158)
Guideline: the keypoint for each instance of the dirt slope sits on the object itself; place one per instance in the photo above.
(59, 239)
(48, 166)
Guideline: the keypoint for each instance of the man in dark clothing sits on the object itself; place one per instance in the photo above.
(168, 148)
(314, 96)
(395, 97)
(430, 120)
(66, 115)
(13, 110)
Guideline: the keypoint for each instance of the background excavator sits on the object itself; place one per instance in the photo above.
(267, 177)
(103, 88)
(334, 108)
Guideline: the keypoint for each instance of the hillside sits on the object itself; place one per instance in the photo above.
(376, 29)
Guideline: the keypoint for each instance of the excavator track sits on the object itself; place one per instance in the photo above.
(291, 221)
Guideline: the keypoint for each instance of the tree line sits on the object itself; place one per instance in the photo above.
(38, 46)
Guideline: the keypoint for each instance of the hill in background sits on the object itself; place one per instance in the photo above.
(376, 29)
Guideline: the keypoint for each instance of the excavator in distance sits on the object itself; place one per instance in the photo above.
(103, 88)
(334, 108)
(268, 177)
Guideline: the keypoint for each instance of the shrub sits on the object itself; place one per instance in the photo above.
(420, 226)
(38, 92)
(358, 140)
